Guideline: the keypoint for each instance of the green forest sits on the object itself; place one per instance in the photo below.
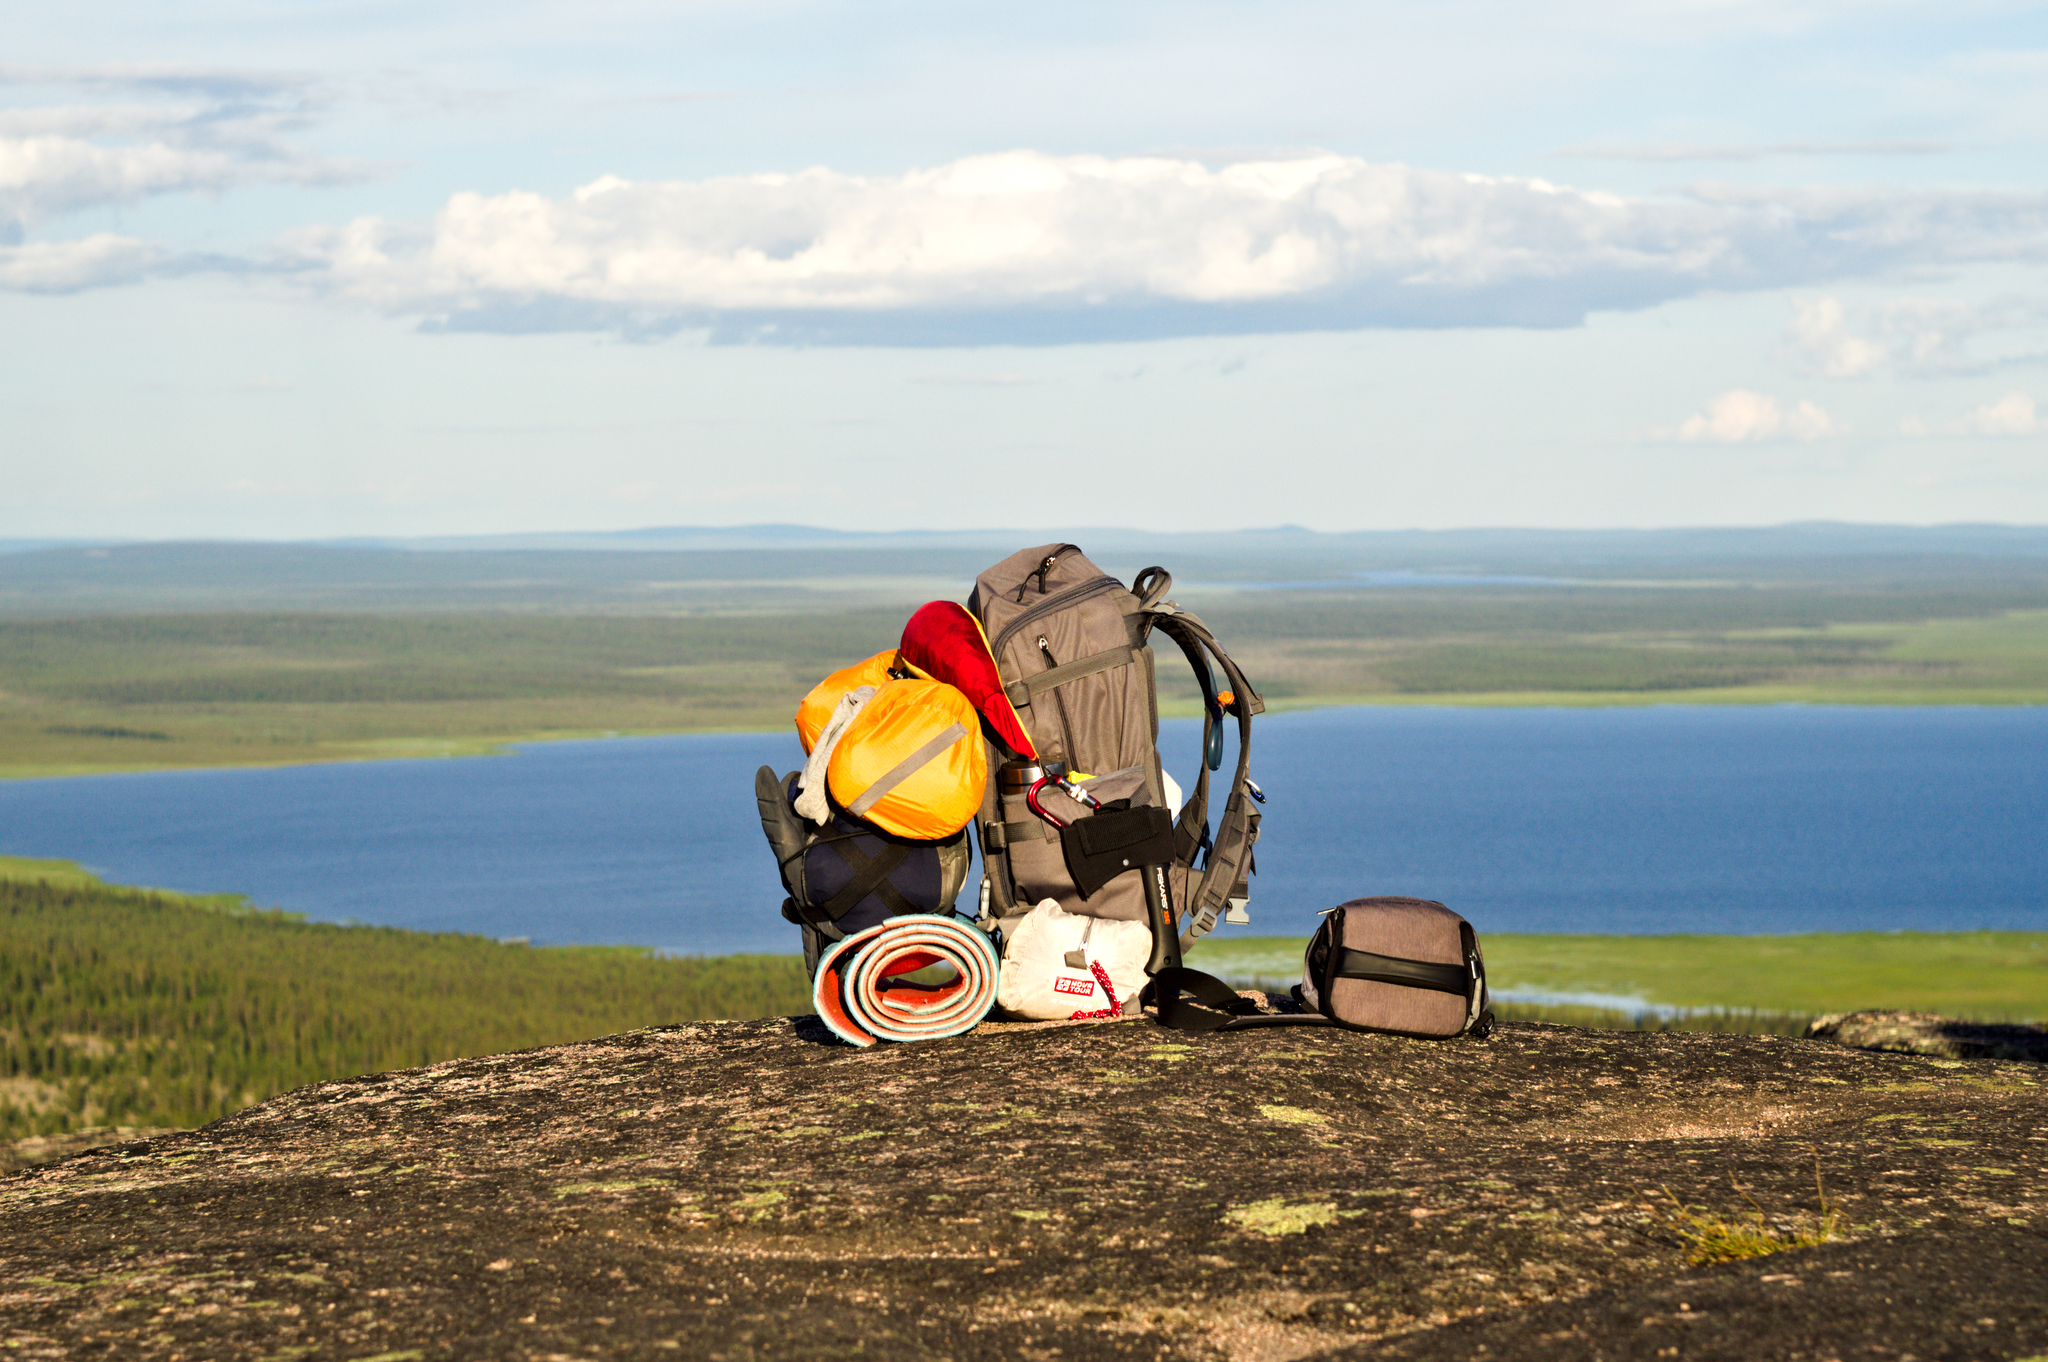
(126, 1007)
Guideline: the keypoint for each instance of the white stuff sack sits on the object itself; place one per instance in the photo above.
(1047, 956)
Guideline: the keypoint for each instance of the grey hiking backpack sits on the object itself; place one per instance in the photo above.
(1074, 650)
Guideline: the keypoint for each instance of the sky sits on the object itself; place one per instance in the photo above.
(293, 269)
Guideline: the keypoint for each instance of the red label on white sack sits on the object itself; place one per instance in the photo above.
(1067, 984)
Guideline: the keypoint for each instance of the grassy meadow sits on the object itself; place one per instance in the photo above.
(230, 688)
(1621, 646)
(1986, 976)
(145, 656)
(137, 692)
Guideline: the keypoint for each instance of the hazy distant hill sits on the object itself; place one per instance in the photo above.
(1379, 546)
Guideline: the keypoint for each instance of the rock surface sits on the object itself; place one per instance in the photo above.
(745, 1190)
(47, 1148)
(1923, 1033)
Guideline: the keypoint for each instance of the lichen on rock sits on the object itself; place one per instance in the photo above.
(741, 1190)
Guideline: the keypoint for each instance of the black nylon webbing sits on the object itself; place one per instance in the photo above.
(892, 899)
(1392, 969)
(997, 837)
(867, 875)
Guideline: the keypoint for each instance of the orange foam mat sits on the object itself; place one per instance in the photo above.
(861, 994)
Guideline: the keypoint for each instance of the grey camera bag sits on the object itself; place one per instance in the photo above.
(1409, 967)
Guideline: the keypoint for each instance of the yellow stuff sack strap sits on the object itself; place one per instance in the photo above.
(912, 762)
(904, 769)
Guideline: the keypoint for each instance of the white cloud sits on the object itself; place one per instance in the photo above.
(46, 176)
(223, 131)
(1017, 247)
(1935, 331)
(1817, 332)
(1935, 335)
(1739, 416)
(1028, 246)
(67, 266)
(2012, 414)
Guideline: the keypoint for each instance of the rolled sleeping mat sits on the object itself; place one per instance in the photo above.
(860, 995)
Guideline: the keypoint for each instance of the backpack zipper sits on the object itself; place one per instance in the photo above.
(1059, 600)
(1060, 703)
(1043, 568)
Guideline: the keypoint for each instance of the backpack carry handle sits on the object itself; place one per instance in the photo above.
(1150, 586)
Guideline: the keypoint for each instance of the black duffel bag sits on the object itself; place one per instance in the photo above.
(850, 875)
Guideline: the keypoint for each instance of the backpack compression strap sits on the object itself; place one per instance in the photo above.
(870, 876)
(793, 837)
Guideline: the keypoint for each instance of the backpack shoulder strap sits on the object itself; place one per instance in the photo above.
(1224, 871)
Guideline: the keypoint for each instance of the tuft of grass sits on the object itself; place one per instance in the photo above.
(1710, 1238)
(72, 875)
(68, 873)
(1985, 976)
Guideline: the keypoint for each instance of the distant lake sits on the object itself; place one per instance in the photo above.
(1747, 819)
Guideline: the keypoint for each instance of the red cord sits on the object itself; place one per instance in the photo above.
(1101, 977)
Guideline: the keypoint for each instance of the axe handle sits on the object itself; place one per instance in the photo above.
(1165, 931)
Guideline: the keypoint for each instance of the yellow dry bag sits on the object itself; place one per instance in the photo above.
(912, 762)
(815, 711)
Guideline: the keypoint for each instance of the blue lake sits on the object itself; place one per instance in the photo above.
(1664, 819)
